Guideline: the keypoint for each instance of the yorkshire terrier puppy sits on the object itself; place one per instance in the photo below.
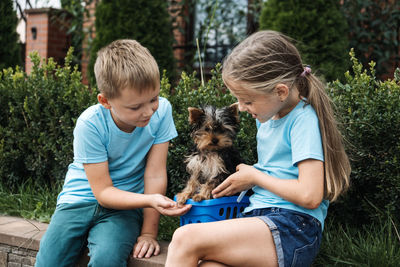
(214, 158)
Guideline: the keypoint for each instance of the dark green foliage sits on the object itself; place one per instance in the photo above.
(37, 118)
(320, 28)
(374, 28)
(370, 111)
(190, 93)
(10, 54)
(148, 22)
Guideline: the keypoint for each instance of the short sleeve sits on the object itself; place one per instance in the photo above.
(88, 146)
(305, 138)
(166, 130)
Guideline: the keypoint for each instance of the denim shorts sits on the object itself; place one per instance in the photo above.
(297, 236)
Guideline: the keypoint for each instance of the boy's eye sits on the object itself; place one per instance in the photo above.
(135, 108)
(154, 99)
(247, 103)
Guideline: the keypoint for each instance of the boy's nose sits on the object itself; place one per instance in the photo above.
(148, 112)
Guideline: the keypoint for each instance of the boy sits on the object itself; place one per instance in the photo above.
(120, 152)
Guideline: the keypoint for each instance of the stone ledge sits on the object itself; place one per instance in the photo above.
(24, 234)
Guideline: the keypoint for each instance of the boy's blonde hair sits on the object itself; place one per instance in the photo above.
(125, 64)
(268, 58)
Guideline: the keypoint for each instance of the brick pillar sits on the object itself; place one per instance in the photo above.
(182, 31)
(46, 33)
(90, 33)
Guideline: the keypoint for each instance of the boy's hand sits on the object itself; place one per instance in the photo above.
(168, 207)
(146, 246)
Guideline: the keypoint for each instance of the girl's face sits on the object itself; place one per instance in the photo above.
(261, 106)
(132, 109)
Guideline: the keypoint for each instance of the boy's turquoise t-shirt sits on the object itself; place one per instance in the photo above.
(281, 144)
(98, 139)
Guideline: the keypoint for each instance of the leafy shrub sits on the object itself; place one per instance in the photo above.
(148, 22)
(189, 92)
(371, 118)
(374, 32)
(10, 50)
(320, 28)
(37, 118)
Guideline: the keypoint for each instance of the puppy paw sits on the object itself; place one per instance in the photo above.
(181, 198)
(198, 197)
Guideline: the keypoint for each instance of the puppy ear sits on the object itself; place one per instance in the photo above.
(195, 114)
(234, 109)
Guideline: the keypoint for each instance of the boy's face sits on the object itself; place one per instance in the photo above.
(131, 109)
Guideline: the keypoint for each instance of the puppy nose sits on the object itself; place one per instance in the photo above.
(215, 140)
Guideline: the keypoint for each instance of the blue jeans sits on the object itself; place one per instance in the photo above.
(109, 235)
(297, 236)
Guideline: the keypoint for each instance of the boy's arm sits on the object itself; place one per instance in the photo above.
(155, 182)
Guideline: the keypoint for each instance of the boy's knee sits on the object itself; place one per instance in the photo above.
(108, 256)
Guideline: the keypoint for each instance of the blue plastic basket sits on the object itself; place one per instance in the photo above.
(214, 210)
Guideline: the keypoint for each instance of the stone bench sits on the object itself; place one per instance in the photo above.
(19, 243)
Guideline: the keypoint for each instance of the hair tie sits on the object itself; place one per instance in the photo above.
(306, 71)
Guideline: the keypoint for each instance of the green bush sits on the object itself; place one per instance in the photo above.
(10, 50)
(37, 118)
(148, 22)
(374, 32)
(370, 111)
(189, 92)
(320, 28)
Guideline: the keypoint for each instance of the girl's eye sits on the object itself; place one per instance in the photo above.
(135, 108)
(154, 99)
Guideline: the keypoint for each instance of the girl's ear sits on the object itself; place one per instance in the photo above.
(103, 101)
(282, 90)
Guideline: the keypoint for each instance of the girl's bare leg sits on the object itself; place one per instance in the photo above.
(238, 242)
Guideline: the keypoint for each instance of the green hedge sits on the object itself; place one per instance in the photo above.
(39, 111)
(37, 117)
(189, 92)
(370, 111)
(148, 22)
(319, 27)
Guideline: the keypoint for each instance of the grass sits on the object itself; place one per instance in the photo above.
(372, 245)
(342, 245)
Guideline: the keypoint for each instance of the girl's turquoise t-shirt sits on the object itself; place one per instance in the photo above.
(98, 139)
(281, 144)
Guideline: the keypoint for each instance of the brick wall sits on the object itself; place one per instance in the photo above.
(46, 33)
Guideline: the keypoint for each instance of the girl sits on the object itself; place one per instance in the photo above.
(301, 164)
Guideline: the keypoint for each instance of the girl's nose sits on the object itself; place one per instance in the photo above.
(241, 107)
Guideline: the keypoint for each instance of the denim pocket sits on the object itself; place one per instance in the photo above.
(305, 255)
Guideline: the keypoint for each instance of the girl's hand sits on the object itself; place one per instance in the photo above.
(146, 246)
(168, 207)
(239, 181)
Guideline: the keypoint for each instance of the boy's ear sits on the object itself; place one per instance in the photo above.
(234, 109)
(103, 101)
(282, 91)
(194, 114)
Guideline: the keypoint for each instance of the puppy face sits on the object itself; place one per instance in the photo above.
(214, 128)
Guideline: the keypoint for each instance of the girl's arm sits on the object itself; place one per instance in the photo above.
(306, 191)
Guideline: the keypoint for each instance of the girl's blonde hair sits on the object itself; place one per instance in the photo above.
(267, 58)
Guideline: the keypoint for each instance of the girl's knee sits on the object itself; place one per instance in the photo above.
(182, 239)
